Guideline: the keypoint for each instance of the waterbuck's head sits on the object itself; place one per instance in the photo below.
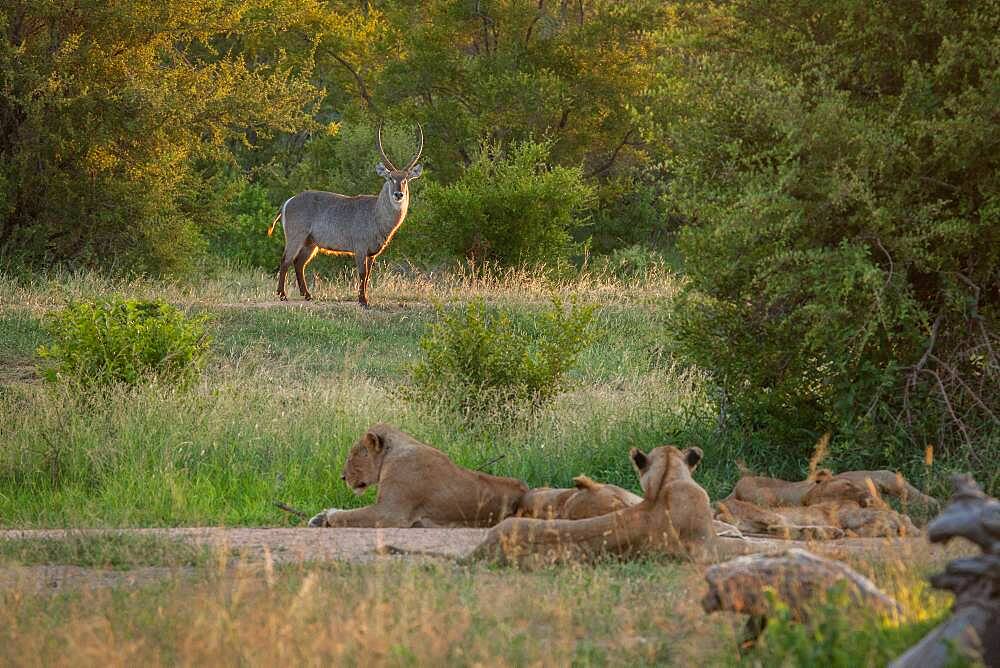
(398, 179)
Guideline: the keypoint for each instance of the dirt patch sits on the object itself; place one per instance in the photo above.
(283, 545)
(318, 305)
(259, 547)
(290, 545)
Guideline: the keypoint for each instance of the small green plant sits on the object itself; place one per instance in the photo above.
(125, 341)
(834, 638)
(478, 357)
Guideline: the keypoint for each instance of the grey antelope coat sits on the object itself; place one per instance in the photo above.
(362, 226)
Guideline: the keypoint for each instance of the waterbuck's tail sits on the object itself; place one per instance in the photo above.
(274, 222)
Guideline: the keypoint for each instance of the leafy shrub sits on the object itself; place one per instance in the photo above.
(509, 207)
(127, 341)
(244, 240)
(631, 211)
(477, 357)
(839, 180)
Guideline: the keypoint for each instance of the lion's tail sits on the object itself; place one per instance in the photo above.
(583, 482)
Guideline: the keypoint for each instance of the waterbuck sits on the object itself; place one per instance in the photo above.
(362, 226)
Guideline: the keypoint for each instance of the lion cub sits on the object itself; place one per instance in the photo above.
(418, 486)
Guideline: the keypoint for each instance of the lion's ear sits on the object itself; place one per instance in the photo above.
(693, 456)
(639, 459)
(373, 442)
(823, 474)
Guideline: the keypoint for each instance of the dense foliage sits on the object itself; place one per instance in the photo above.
(109, 108)
(123, 341)
(482, 361)
(838, 168)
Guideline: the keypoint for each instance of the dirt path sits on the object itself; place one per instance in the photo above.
(284, 545)
(255, 547)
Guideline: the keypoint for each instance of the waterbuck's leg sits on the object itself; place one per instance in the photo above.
(362, 262)
(301, 260)
(286, 261)
(369, 265)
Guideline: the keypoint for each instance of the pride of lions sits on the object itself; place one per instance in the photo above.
(419, 486)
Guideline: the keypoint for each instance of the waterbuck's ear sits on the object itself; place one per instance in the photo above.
(639, 459)
(373, 442)
(381, 170)
(692, 456)
(416, 171)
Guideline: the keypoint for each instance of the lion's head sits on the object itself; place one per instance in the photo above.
(662, 465)
(364, 463)
(826, 487)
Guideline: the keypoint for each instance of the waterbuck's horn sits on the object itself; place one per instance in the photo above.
(385, 158)
(419, 150)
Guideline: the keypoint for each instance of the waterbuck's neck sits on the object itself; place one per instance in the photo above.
(389, 214)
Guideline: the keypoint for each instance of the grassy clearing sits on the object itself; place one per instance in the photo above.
(290, 388)
(397, 613)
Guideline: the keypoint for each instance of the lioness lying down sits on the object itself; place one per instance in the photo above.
(589, 498)
(862, 487)
(824, 487)
(586, 498)
(819, 521)
(418, 486)
(673, 518)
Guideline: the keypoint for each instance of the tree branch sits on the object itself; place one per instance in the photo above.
(614, 154)
(362, 89)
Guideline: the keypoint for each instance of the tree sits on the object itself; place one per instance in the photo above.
(837, 165)
(107, 110)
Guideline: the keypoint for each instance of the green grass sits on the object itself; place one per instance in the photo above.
(289, 388)
(101, 550)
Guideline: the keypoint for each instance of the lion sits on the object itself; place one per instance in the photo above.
(587, 498)
(418, 486)
(590, 499)
(892, 484)
(674, 518)
(821, 488)
(819, 521)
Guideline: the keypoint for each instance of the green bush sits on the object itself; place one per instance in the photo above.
(837, 169)
(126, 341)
(510, 206)
(244, 240)
(477, 357)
